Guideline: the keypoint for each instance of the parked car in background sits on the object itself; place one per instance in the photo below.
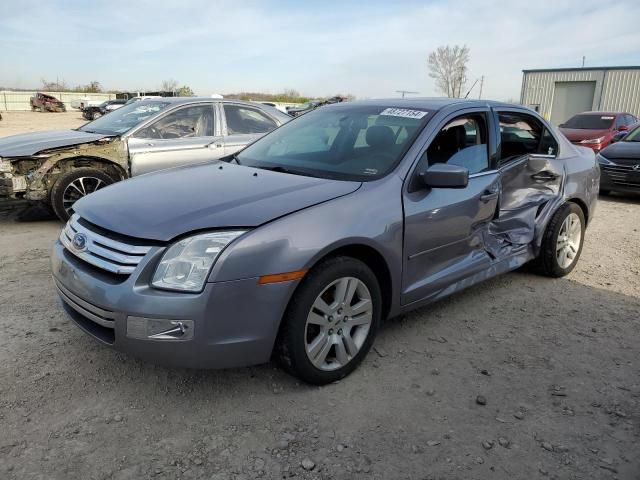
(82, 103)
(93, 112)
(303, 242)
(59, 167)
(596, 129)
(620, 165)
(46, 103)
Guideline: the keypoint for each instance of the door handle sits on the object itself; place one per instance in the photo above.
(487, 197)
(150, 144)
(545, 175)
(215, 145)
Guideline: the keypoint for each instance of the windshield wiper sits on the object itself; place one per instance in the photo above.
(282, 169)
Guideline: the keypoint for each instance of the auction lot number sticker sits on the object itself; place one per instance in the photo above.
(403, 112)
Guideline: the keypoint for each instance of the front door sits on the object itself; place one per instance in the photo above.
(444, 227)
(183, 136)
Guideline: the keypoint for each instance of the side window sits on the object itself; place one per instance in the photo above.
(463, 142)
(522, 134)
(620, 120)
(195, 121)
(241, 119)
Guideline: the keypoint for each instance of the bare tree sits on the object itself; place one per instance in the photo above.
(448, 66)
(168, 85)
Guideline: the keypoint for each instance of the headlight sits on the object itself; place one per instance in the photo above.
(593, 140)
(603, 160)
(186, 264)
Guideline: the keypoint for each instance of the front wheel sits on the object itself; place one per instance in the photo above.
(331, 321)
(95, 115)
(562, 241)
(72, 186)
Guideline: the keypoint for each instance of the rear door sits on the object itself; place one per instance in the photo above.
(530, 179)
(445, 227)
(183, 136)
(244, 124)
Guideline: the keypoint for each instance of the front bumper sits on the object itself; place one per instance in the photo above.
(233, 323)
(619, 178)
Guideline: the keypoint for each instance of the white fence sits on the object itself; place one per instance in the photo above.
(11, 101)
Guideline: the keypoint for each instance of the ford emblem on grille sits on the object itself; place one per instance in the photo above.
(79, 242)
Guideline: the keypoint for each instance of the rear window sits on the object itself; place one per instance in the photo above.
(590, 122)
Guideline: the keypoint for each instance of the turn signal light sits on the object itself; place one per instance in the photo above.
(282, 277)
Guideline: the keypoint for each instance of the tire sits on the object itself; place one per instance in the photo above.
(87, 178)
(297, 335)
(95, 115)
(548, 262)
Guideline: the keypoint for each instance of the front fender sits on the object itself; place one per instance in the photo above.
(371, 216)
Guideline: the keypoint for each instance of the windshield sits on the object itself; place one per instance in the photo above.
(590, 122)
(632, 136)
(124, 118)
(358, 143)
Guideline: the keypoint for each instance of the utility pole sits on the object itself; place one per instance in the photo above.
(481, 83)
(583, 59)
(403, 92)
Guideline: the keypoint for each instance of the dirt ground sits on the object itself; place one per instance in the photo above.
(13, 123)
(557, 361)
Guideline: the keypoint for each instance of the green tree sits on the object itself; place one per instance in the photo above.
(185, 91)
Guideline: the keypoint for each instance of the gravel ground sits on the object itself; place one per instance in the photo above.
(13, 123)
(519, 377)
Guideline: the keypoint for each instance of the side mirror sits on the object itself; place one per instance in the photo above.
(444, 175)
(623, 128)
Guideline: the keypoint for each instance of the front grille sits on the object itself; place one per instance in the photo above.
(624, 175)
(99, 250)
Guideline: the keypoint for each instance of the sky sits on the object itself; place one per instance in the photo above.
(366, 48)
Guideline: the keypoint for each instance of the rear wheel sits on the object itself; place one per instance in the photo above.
(72, 186)
(331, 321)
(95, 115)
(562, 242)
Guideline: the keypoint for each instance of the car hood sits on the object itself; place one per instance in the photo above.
(629, 150)
(166, 204)
(577, 134)
(27, 144)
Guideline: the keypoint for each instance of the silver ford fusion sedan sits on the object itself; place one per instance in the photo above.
(299, 245)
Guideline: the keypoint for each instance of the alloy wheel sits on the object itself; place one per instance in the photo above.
(568, 242)
(79, 188)
(338, 323)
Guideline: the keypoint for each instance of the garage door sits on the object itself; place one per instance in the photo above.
(570, 98)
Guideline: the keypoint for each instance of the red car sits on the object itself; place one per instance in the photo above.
(596, 129)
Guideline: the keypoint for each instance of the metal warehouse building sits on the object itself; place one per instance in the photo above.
(560, 93)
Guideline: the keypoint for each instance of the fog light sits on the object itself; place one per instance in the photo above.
(159, 329)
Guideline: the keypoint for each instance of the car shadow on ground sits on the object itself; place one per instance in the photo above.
(621, 198)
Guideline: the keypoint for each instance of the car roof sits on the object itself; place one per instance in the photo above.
(183, 100)
(603, 113)
(427, 103)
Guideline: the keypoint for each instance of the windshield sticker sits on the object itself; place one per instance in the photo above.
(607, 118)
(370, 171)
(403, 112)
